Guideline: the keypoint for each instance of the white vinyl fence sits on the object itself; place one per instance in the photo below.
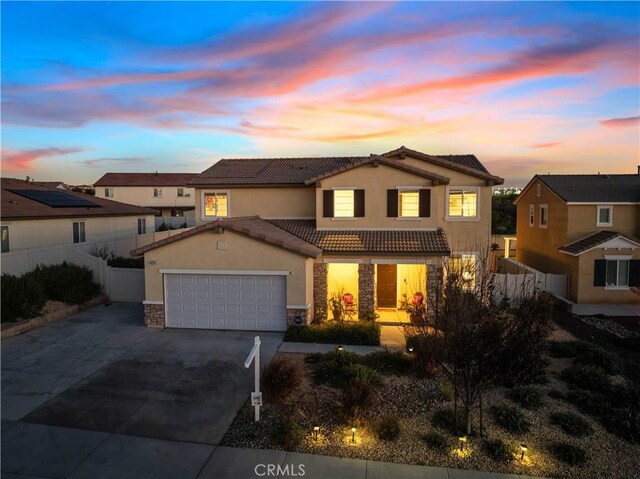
(516, 280)
(176, 222)
(120, 284)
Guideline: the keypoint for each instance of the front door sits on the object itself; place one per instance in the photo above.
(387, 285)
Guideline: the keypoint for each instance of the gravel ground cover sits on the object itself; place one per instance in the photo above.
(414, 401)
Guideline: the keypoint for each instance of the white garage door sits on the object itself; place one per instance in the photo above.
(226, 301)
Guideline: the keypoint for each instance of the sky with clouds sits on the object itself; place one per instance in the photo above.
(174, 86)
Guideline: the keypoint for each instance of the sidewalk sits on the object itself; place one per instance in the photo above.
(55, 452)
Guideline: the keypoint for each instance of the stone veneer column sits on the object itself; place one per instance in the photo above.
(303, 313)
(366, 286)
(320, 290)
(434, 289)
(154, 315)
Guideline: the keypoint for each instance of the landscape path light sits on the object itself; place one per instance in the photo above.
(315, 432)
(353, 434)
(462, 439)
(523, 448)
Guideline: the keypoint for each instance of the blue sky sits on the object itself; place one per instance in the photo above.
(174, 86)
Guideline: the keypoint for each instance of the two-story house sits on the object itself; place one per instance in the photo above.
(278, 237)
(587, 227)
(35, 215)
(167, 193)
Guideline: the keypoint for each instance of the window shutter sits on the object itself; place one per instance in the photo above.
(634, 272)
(358, 199)
(600, 272)
(392, 203)
(425, 203)
(327, 203)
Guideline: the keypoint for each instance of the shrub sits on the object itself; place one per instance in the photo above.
(557, 394)
(388, 428)
(511, 418)
(436, 441)
(122, 262)
(572, 424)
(333, 367)
(369, 315)
(22, 298)
(598, 358)
(569, 349)
(445, 390)
(357, 333)
(388, 362)
(289, 433)
(425, 353)
(358, 391)
(528, 397)
(587, 377)
(588, 402)
(280, 378)
(520, 359)
(446, 419)
(569, 453)
(498, 450)
(66, 282)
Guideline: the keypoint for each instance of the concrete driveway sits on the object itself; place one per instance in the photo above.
(103, 370)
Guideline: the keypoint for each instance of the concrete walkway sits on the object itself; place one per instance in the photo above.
(611, 310)
(34, 450)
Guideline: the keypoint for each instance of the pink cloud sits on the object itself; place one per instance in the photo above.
(546, 145)
(24, 159)
(621, 122)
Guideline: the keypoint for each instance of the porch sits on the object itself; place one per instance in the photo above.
(356, 288)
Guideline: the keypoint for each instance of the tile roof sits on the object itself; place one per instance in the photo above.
(145, 179)
(594, 188)
(301, 171)
(18, 207)
(252, 226)
(369, 241)
(596, 239)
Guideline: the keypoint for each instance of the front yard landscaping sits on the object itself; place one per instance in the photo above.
(360, 332)
(500, 389)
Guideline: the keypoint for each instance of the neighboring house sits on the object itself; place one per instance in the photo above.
(53, 184)
(587, 227)
(35, 216)
(278, 237)
(166, 192)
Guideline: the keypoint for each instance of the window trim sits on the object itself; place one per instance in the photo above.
(180, 192)
(144, 226)
(158, 191)
(203, 214)
(82, 235)
(617, 259)
(408, 189)
(353, 215)
(538, 190)
(532, 214)
(546, 208)
(603, 207)
(448, 217)
(460, 255)
(108, 192)
(8, 238)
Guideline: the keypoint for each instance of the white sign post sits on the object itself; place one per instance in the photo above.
(256, 396)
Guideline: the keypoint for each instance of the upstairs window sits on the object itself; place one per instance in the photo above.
(544, 216)
(604, 216)
(79, 235)
(108, 192)
(463, 203)
(142, 226)
(409, 203)
(216, 205)
(180, 191)
(157, 192)
(5, 239)
(343, 203)
(532, 215)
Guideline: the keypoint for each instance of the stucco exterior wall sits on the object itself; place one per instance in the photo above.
(581, 220)
(298, 202)
(200, 252)
(538, 247)
(586, 292)
(40, 233)
(143, 196)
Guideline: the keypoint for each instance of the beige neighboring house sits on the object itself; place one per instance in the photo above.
(278, 237)
(587, 227)
(34, 215)
(166, 192)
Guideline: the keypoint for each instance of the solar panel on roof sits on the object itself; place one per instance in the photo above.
(56, 199)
